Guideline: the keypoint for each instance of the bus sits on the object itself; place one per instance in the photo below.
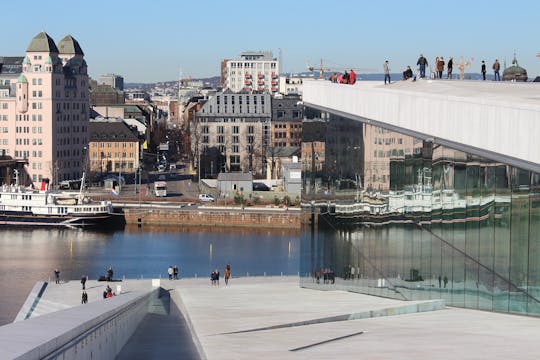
(160, 188)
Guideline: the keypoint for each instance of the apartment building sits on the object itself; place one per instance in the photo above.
(44, 109)
(237, 126)
(252, 72)
(113, 147)
(286, 129)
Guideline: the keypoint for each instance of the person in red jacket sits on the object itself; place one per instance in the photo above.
(352, 77)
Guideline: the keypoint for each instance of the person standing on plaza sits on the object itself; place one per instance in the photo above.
(450, 67)
(57, 276)
(110, 273)
(83, 281)
(435, 73)
(422, 62)
(175, 272)
(496, 68)
(170, 271)
(84, 298)
(227, 274)
(386, 72)
(483, 70)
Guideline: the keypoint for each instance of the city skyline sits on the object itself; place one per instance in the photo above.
(161, 43)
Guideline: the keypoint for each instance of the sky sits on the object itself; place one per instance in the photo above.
(150, 41)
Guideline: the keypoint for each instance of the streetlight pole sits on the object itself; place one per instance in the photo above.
(199, 170)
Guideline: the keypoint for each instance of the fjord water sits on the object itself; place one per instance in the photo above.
(30, 255)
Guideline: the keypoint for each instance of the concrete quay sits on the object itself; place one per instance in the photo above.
(273, 317)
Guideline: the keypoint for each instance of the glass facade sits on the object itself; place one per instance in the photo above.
(391, 215)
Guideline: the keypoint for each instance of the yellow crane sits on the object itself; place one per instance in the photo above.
(323, 67)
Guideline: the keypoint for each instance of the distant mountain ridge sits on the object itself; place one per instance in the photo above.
(215, 81)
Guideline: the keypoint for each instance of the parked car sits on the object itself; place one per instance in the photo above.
(258, 186)
(206, 198)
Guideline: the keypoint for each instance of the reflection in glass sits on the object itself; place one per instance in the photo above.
(391, 215)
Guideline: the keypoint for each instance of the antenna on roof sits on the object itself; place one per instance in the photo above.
(280, 62)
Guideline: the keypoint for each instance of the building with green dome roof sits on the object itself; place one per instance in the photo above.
(44, 96)
(42, 42)
(22, 79)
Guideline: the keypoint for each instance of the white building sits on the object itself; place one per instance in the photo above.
(292, 84)
(113, 80)
(252, 71)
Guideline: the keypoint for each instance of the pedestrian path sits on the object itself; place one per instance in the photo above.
(274, 318)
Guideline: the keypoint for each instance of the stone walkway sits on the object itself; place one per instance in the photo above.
(225, 320)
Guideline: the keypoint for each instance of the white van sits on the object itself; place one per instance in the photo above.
(206, 197)
(160, 188)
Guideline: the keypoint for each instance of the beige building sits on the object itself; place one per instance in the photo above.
(114, 147)
(44, 109)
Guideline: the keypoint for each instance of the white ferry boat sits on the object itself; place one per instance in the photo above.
(28, 207)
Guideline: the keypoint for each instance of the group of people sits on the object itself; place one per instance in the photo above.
(439, 66)
(345, 78)
(214, 275)
(108, 293)
(173, 272)
(328, 275)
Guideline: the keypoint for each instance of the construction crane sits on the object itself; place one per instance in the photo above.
(322, 68)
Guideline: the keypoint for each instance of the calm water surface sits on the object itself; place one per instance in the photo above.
(30, 255)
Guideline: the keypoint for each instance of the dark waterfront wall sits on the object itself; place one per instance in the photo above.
(289, 219)
(391, 215)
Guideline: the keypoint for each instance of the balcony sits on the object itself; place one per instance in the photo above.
(247, 82)
(261, 76)
(260, 82)
(274, 82)
(274, 75)
(248, 76)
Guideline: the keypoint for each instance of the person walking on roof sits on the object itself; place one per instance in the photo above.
(496, 68)
(422, 62)
(352, 77)
(450, 66)
(386, 72)
(483, 70)
(440, 67)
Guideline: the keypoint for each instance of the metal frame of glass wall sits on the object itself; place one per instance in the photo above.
(391, 215)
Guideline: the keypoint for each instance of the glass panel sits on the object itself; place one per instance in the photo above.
(501, 286)
(390, 215)
(519, 239)
(533, 285)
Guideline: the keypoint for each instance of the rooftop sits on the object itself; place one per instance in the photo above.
(110, 131)
(496, 120)
(68, 45)
(42, 42)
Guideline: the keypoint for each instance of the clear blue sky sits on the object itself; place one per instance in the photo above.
(148, 41)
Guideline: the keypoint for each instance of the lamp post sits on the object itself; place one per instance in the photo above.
(101, 155)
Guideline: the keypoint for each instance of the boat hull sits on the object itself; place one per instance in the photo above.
(21, 218)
